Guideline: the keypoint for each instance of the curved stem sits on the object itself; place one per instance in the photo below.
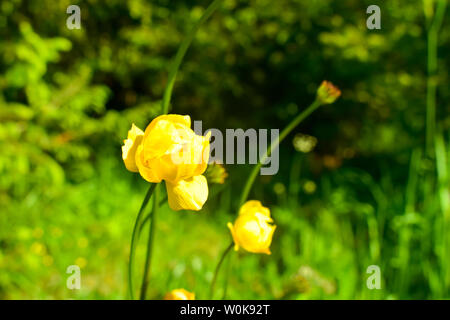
(297, 120)
(133, 238)
(213, 192)
(184, 46)
(227, 275)
(151, 236)
(216, 272)
(149, 216)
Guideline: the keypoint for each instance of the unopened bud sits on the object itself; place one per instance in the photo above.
(328, 93)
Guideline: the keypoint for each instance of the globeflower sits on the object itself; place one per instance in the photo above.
(253, 230)
(179, 294)
(170, 150)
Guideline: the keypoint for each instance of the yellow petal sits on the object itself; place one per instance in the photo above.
(130, 146)
(189, 194)
(233, 235)
(147, 173)
(253, 206)
(172, 118)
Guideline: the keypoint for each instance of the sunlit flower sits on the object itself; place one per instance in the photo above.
(170, 150)
(179, 294)
(253, 230)
(328, 93)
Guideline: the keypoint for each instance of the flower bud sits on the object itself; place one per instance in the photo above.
(328, 93)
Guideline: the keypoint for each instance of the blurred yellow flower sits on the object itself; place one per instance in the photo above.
(253, 230)
(304, 143)
(38, 248)
(179, 294)
(170, 150)
(129, 148)
(81, 262)
(310, 187)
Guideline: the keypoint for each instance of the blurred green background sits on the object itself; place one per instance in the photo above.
(373, 191)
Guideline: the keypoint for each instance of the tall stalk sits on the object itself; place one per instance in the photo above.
(184, 46)
(432, 67)
(434, 13)
(148, 195)
(443, 166)
(216, 272)
(151, 235)
(251, 179)
(294, 123)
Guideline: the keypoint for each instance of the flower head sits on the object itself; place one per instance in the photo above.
(170, 150)
(179, 294)
(327, 92)
(253, 230)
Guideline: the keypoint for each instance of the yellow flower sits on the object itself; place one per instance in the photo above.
(170, 150)
(179, 294)
(130, 146)
(327, 92)
(253, 230)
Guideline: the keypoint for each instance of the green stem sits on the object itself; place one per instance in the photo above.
(213, 192)
(133, 238)
(216, 272)
(297, 120)
(184, 46)
(151, 236)
(432, 67)
(149, 216)
(227, 275)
